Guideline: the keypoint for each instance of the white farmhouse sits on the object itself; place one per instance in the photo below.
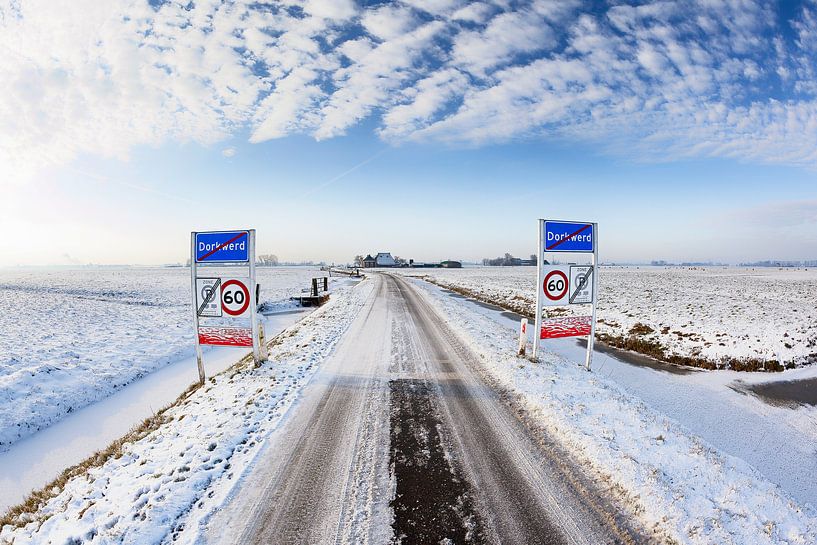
(384, 259)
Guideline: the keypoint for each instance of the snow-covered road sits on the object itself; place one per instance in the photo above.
(511, 483)
(323, 477)
(403, 392)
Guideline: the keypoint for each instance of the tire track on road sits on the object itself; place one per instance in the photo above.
(324, 476)
(521, 489)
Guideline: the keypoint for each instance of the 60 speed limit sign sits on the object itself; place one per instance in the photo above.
(555, 285)
(555, 288)
(235, 296)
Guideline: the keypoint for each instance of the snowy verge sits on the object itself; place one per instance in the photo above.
(680, 486)
(711, 317)
(74, 337)
(166, 485)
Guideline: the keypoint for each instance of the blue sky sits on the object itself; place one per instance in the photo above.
(430, 128)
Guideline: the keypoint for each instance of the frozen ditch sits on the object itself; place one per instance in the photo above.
(87, 353)
(70, 337)
(155, 491)
(778, 440)
(34, 461)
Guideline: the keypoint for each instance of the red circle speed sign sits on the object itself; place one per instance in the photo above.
(235, 297)
(555, 285)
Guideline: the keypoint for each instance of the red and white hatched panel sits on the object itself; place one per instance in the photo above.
(574, 326)
(225, 336)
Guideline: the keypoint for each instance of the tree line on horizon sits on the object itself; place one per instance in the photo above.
(509, 261)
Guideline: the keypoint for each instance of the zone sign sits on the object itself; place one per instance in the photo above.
(581, 282)
(208, 297)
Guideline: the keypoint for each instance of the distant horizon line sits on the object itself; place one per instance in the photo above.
(786, 263)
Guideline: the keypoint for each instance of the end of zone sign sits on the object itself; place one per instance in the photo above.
(223, 247)
(567, 236)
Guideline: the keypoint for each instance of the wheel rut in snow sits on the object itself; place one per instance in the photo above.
(515, 484)
(432, 501)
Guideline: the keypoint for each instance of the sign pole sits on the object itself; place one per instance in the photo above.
(256, 349)
(538, 322)
(595, 262)
(195, 308)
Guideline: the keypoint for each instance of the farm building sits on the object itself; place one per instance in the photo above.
(384, 259)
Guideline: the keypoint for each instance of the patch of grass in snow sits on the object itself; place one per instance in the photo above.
(634, 342)
(654, 349)
(641, 329)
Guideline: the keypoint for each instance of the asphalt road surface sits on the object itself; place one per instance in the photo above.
(400, 439)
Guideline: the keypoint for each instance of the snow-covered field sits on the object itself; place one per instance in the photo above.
(680, 486)
(714, 314)
(167, 484)
(170, 481)
(71, 337)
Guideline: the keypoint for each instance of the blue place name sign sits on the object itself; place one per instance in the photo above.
(568, 236)
(223, 247)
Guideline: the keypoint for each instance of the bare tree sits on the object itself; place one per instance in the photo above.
(270, 260)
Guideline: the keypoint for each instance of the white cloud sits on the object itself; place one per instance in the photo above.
(425, 100)
(505, 35)
(334, 9)
(388, 22)
(806, 27)
(436, 7)
(655, 81)
(652, 60)
(290, 108)
(475, 12)
(89, 81)
(228, 152)
(371, 82)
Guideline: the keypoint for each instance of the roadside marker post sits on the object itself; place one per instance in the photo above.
(225, 298)
(563, 285)
(523, 336)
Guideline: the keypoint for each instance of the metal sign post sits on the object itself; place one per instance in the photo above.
(539, 282)
(193, 276)
(591, 340)
(562, 285)
(256, 352)
(224, 298)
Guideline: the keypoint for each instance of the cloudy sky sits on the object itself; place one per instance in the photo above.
(430, 128)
